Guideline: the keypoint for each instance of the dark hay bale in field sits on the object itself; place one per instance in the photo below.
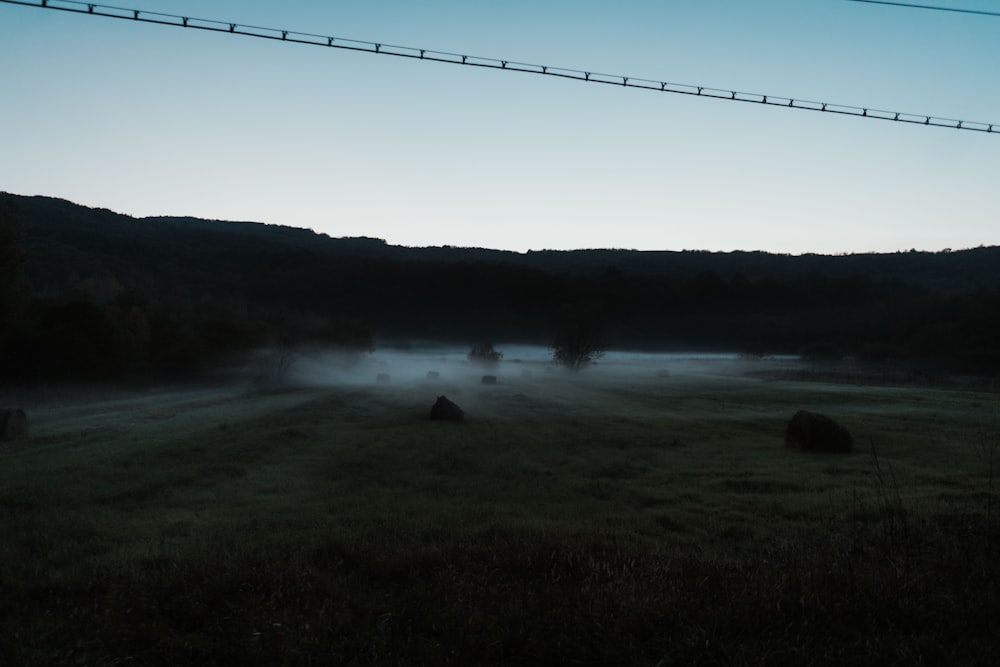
(813, 432)
(445, 409)
(489, 379)
(382, 378)
(433, 376)
(13, 424)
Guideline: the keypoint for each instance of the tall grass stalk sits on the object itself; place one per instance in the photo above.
(888, 490)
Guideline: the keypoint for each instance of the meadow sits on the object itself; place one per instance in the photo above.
(641, 512)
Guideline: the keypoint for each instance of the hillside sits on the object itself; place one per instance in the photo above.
(68, 239)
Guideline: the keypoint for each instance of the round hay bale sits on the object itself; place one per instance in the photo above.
(445, 409)
(382, 378)
(811, 431)
(489, 379)
(13, 424)
(433, 376)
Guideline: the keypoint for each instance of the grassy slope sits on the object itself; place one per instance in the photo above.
(621, 521)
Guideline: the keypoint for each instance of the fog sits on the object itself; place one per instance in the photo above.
(414, 373)
(428, 363)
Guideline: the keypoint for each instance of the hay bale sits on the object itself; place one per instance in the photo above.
(445, 409)
(489, 379)
(382, 378)
(433, 376)
(13, 424)
(811, 431)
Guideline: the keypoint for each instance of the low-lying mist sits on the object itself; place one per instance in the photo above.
(415, 372)
(521, 364)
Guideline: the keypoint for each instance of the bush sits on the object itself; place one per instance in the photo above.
(579, 339)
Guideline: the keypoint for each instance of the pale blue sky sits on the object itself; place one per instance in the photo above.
(152, 120)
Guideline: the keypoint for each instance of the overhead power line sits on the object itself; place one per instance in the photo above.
(934, 7)
(379, 48)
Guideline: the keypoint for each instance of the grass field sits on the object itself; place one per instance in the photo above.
(617, 516)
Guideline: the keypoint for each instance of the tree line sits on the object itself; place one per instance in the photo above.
(91, 293)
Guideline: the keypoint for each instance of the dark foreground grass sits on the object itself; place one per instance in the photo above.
(926, 597)
(340, 527)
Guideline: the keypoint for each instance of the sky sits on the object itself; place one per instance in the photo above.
(152, 120)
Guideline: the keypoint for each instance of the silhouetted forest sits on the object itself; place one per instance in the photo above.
(92, 293)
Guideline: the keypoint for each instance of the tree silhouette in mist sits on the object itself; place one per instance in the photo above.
(580, 335)
(485, 354)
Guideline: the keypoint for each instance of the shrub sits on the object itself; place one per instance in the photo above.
(579, 339)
